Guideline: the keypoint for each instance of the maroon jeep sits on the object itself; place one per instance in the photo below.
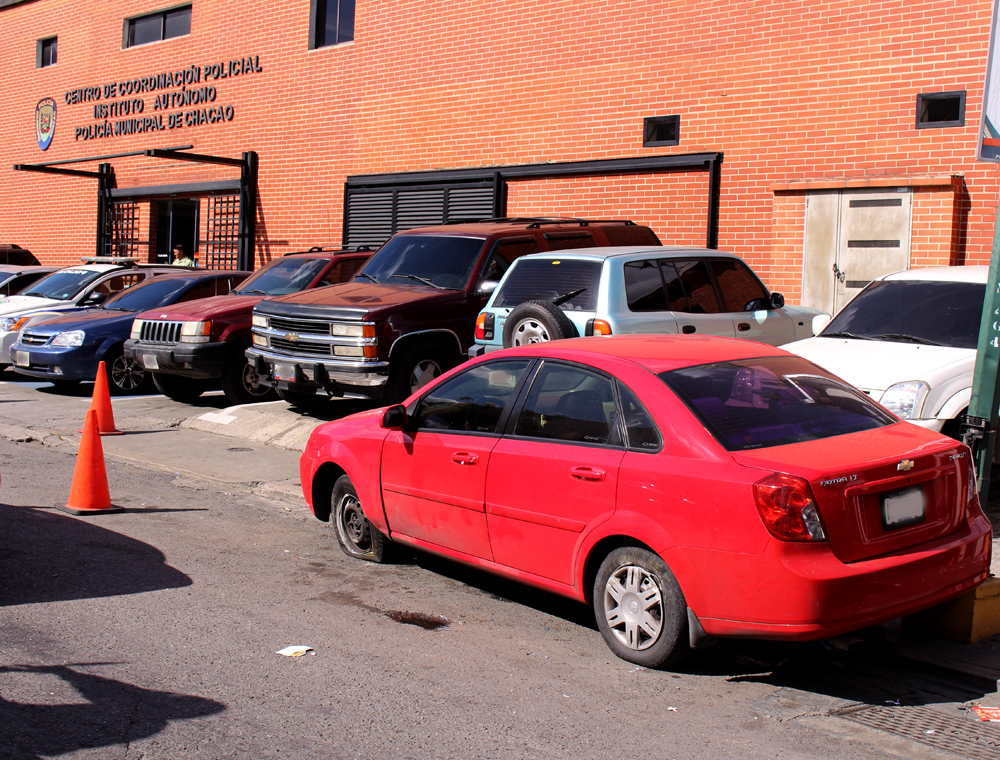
(191, 344)
(410, 312)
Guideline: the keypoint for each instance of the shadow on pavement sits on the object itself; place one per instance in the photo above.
(48, 557)
(114, 713)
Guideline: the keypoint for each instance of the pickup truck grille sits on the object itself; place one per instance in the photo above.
(300, 347)
(28, 339)
(160, 332)
(290, 324)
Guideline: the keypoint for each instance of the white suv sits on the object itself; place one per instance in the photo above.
(908, 340)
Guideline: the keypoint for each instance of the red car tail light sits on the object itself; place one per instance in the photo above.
(788, 509)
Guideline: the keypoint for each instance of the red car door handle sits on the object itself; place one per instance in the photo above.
(587, 473)
(464, 457)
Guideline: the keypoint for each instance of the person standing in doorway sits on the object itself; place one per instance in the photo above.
(181, 259)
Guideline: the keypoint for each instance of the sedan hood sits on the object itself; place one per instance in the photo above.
(877, 364)
(88, 319)
(19, 304)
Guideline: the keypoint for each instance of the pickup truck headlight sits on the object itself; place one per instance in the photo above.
(352, 329)
(905, 400)
(196, 332)
(137, 329)
(259, 320)
(74, 338)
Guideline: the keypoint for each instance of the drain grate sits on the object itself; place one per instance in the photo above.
(953, 730)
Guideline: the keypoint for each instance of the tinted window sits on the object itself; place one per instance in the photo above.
(698, 287)
(205, 289)
(62, 285)
(741, 290)
(630, 234)
(472, 401)
(282, 277)
(576, 240)
(910, 311)
(117, 284)
(546, 279)
(446, 261)
(675, 289)
(754, 403)
(504, 254)
(568, 403)
(151, 294)
(644, 287)
(639, 427)
(17, 283)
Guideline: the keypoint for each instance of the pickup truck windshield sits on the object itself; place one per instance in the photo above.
(63, 285)
(283, 277)
(444, 261)
(756, 403)
(913, 311)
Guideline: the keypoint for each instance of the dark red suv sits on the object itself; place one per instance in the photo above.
(409, 314)
(188, 345)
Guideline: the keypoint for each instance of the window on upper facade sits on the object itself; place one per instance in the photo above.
(936, 110)
(45, 53)
(175, 22)
(332, 22)
(661, 130)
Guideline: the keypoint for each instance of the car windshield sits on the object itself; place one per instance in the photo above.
(282, 277)
(547, 279)
(437, 261)
(913, 311)
(756, 403)
(149, 295)
(63, 285)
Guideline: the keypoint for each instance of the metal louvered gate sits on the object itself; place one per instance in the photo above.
(123, 229)
(222, 228)
(373, 215)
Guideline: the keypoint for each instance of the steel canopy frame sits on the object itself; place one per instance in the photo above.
(105, 176)
(710, 162)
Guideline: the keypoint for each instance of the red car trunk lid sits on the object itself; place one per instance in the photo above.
(878, 491)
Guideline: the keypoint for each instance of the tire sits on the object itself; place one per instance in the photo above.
(182, 389)
(310, 403)
(651, 630)
(414, 367)
(241, 383)
(536, 322)
(355, 534)
(125, 375)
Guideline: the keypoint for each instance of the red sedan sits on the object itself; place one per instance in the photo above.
(688, 488)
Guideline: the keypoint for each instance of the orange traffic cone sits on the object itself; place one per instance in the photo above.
(88, 495)
(101, 403)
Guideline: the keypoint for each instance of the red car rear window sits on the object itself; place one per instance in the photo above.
(755, 403)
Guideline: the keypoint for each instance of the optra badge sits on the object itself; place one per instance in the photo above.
(45, 122)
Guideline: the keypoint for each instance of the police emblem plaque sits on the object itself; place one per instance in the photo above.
(45, 122)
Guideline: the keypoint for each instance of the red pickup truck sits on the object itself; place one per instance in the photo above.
(189, 345)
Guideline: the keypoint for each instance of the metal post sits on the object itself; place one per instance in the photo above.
(979, 426)
(105, 181)
(248, 212)
(714, 192)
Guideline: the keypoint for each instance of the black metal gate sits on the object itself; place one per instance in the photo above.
(222, 233)
(122, 225)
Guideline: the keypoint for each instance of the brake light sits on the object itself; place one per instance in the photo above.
(601, 327)
(788, 508)
(484, 326)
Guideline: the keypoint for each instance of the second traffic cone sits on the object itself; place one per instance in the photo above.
(88, 495)
(101, 403)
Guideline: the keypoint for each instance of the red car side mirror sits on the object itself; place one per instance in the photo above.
(395, 417)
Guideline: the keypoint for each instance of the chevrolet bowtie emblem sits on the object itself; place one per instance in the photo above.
(291, 336)
(906, 465)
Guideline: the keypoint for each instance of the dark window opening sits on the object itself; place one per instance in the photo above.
(333, 22)
(936, 110)
(154, 27)
(661, 130)
(46, 53)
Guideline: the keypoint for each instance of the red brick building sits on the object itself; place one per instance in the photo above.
(824, 144)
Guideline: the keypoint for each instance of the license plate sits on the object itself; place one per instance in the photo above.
(284, 372)
(149, 362)
(21, 358)
(903, 508)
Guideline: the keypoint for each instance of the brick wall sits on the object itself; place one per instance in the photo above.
(789, 93)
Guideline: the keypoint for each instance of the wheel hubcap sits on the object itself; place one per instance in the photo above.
(633, 607)
(354, 523)
(127, 374)
(251, 382)
(529, 331)
(423, 373)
